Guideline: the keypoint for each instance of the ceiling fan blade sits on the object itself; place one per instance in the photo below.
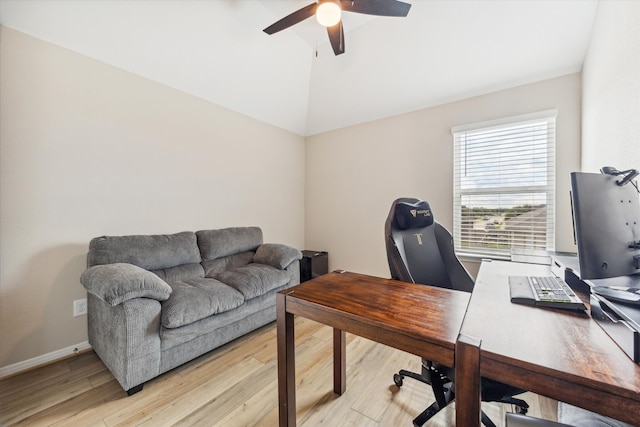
(336, 37)
(377, 7)
(292, 19)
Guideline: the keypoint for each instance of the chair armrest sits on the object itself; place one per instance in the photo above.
(116, 283)
(276, 255)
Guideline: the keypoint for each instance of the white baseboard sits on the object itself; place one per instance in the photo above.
(44, 359)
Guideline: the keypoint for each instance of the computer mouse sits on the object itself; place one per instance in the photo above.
(619, 293)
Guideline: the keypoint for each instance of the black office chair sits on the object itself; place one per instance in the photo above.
(420, 250)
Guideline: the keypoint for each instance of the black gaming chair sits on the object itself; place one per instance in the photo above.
(420, 250)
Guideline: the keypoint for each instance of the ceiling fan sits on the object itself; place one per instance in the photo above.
(328, 13)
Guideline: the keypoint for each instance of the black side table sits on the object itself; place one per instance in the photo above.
(313, 264)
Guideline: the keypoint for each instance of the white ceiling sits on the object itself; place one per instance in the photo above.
(443, 51)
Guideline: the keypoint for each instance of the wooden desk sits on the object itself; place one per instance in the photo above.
(422, 320)
(555, 353)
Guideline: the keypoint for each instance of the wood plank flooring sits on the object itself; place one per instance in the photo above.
(236, 385)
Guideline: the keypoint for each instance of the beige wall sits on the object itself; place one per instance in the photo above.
(87, 150)
(611, 89)
(354, 174)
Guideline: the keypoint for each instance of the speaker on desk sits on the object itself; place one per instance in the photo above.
(313, 264)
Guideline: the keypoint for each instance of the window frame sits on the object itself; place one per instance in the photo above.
(549, 189)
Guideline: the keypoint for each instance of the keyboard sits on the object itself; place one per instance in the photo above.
(544, 291)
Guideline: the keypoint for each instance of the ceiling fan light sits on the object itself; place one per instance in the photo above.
(328, 13)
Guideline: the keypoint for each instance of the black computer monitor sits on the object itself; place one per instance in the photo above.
(606, 220)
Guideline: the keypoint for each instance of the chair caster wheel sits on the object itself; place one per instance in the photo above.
(397, 378)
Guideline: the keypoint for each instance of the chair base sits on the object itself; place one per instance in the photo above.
(444, 394)
(426, 415)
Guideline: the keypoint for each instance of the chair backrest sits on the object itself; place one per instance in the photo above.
(420, 250)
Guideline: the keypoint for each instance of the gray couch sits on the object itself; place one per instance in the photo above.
(156, 302)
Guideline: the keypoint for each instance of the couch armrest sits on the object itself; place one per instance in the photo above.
(116, 283)
(276, 255)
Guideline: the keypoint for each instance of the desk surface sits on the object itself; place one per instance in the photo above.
(391, 312)
(556, 353)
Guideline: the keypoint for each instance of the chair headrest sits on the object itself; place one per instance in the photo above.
(413, 214)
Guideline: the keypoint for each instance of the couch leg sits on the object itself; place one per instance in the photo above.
(134, 390)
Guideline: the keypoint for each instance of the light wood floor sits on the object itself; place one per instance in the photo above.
(236, 385)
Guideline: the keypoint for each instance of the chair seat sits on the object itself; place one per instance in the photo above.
(494, 391)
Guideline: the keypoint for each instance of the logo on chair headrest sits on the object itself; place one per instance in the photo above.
(413, 214)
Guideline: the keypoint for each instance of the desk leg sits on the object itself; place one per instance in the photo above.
(339, 362)
(286, 363)
(468, 410)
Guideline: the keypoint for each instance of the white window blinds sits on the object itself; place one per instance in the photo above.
(504, 185)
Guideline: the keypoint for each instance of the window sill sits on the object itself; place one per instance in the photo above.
(526, 256)
(472, 257)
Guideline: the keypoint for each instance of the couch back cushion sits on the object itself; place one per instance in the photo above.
(153, 252)
(216, 244)
(180, 272)
(231, 262)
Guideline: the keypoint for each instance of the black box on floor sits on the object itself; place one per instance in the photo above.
(313, 264)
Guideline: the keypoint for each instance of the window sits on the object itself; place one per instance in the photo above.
(504, 185)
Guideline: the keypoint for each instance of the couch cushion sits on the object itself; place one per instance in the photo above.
(221, 323)
(149, 252)
(217, 266)
(214, 244)
(195, 299)
(254, 279)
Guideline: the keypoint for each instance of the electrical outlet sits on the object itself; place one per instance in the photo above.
(80, 307)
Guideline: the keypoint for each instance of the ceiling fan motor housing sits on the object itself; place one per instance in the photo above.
(329, 12)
